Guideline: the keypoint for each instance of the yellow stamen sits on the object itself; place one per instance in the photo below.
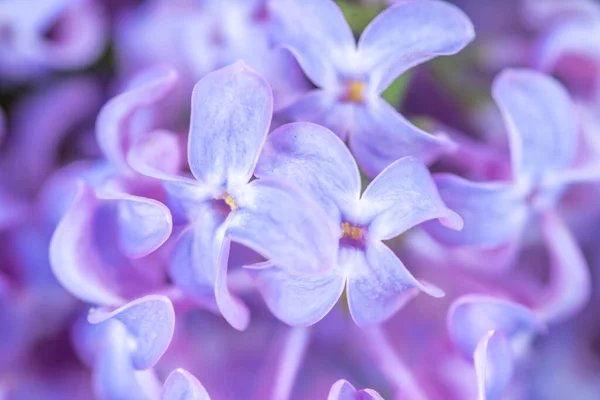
(354, 91)
(352, 232)
(230, 202)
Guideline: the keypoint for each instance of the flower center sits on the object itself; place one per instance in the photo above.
(354, 91)
(352, 232)
(230, 202)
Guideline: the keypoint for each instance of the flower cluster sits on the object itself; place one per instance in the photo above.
(243, 199)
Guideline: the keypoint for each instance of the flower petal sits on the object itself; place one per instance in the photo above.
(283, 225)
(344, 390)
(298, 300)
(409, 34)
(381, 135)
(73, 259)
(115, 130)
(316, 32)
(471, 316)
(312, 158)
(150, 322)
(113, 374)
(231, 114)
(378, 283)
(570, 286)
(181, 385)
(541, 123)
(403, 196)
(493, 212)
(493, 365)
(144, 224)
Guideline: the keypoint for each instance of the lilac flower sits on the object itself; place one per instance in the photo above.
(37, 35)
(231, 113)
(134, 337)
(543, 140)
(350, 77)
(376, 281)
(343, 390)
(483, 328)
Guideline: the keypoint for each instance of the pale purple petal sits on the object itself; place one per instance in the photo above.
(115, 128)
(312, 158)
(298, 299)
(409, 34)
(381, 135)
(113, 375)
(402, 196)
(231, 114)
(570, 286)
(493, 365)
(316, 32)
(181, 385)
(471, 316)
(493, 212)
(378, 283)
(73, 259)
(344, 390)
(323, 108)
(150, 323)
(283, 225)
(144, 224)
(541, 123)
(233, 309)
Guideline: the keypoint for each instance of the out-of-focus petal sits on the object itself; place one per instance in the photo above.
(144, 224)
(150, 322)
(410, 33)
(298, 300)
(114, 377)
(471, 316)
(493, 365)
(284, 225)
(181, 385)
(344, 390)
(316, 32)
(231, 114)
(381, 135)
(378, 283)
(540, 119)
(312, 158)
(115, 130)
(570, 285)
(493, 212)
(402, 196)
(579, 36)
(73, 259)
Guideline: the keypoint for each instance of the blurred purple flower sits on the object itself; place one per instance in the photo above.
(343, 390)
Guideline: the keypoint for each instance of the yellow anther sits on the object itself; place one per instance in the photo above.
(354, 92)
(230, 202)
(352, 232)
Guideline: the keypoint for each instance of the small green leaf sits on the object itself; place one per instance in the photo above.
(359, 15)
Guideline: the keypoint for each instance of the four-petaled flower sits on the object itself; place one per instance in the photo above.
(350, 77)
(402, 196)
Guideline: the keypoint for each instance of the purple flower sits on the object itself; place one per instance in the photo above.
(543, 140)
(231, 113)
(37, 35)
(350, 77)
(483, 328)
(343, 390)
(376, 281)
